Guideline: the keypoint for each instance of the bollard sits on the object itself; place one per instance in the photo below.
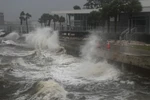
(108, 45)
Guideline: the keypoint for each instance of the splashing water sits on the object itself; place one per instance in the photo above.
(29, 75)
(43, 38)
(91, 69)
(12, 36)
(48, 90)
(64, 69)
(100, 71)
(88, 68)
(89, 50)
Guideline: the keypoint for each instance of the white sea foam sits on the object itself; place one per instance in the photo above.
(48, 90)
(89, 50)
(69, 69)
(43, 38)
(45, 90)
(9, 42)
(9, 51)
(61, 67)
(12, 36)
(85, 72)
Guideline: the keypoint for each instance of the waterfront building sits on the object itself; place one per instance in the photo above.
(1, 18)
(76, 20)
(2, 21)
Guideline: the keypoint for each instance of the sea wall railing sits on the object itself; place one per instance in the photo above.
(120, 29)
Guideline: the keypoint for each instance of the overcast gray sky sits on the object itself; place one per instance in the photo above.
(12, 8)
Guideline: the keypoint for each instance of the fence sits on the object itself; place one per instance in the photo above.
(81, 28)
(16, 28)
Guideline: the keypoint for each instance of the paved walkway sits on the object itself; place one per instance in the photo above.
(130, 50)
(125, 49)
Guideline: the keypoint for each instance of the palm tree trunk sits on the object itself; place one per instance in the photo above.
(108, 24)
(49, 23)
(20, 26)
(116, 27)
(60, 25)
(27, 25)
(54, 25)
(45, 24)
(115, 24)
(130, 25)
(21, 29)
(41, 24)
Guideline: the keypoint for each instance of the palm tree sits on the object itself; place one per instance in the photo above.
(105, 14)
(55, 19)
(45, 18)
(50, 17)
(94, 19)
(40, 21)
(86, 6)
(22, 18)
(90, 4)
(116, 7)
(130, 7)
(76, 7)
(27, 16)
(94, 4)
(61, 20)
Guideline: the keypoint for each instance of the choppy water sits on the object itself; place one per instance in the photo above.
(38, 68)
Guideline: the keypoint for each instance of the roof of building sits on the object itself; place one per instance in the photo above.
(146, 9)
(87, 11)
(82, 11)
(145, 2)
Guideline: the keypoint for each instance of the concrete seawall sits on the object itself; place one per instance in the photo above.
(127, 58)
(131, 57)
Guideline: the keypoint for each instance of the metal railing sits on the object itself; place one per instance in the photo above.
(120, 30)
(17, 28)
(77, 28)
(125, 33)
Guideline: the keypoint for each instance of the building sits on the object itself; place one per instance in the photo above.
(140, 29)
(76, 22)
(78, 19)
(2, 24)
(140, 21)
(1, 18)
(75, 19)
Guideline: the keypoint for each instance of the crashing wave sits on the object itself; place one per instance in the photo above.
(12, 36)
(43, 38)
(9, 42)
(48, 90)
(13, 54)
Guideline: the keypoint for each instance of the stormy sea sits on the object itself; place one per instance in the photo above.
(35, 66)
